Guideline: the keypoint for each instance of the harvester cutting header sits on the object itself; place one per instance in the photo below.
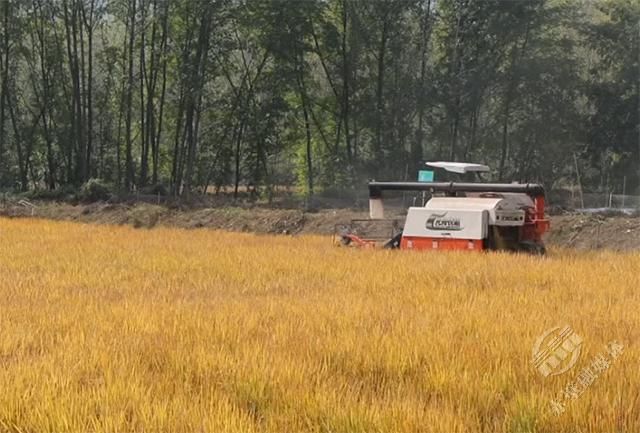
(462, 215)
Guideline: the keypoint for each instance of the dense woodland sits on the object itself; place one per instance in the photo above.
(188, 96)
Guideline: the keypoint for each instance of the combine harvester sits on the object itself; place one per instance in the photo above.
(468, 216)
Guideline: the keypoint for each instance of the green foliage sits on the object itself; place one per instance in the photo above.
(323, 94)
(94, 190)
(64, 193)
(614, 96)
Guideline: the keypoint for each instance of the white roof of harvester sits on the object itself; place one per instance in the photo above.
(467, 203)
(459, 167)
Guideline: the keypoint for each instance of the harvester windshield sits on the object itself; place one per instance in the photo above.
(458, 171)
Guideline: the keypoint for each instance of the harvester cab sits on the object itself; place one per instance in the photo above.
(458, 171)
(463, 216)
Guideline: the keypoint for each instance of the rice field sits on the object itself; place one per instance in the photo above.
(116, 329)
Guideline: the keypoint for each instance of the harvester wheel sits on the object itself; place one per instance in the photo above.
(394, 242)
(533, 248)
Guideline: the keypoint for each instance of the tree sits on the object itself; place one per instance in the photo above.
(322, 94)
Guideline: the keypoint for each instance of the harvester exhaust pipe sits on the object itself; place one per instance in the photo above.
(376, 208)
(376, 188)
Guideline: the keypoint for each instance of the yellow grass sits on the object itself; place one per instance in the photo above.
(115, 329)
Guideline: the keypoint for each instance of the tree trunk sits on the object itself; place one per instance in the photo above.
(382, 48)
(78, 39)
(345, 81)
(417, 147)
(144, 118)
(506, 112)
(129, 174)
(45, 102)
(195, 98)
(237, 160)
(5, 79)
(75, 99)
(307, 124)
(90, 29)
(164, 53)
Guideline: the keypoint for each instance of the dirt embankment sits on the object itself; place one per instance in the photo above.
(570, 230)
(620, 233)
(143, 215)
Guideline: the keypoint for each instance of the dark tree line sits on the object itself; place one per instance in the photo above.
(323, 94)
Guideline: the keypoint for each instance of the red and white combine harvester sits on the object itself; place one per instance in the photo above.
(459, 216)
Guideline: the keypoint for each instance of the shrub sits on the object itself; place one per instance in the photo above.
(156, 189)
(94, 190)
(62, 193)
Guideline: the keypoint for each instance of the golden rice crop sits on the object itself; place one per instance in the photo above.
(114, 329)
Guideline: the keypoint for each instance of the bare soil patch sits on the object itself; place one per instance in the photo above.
(579, 231)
